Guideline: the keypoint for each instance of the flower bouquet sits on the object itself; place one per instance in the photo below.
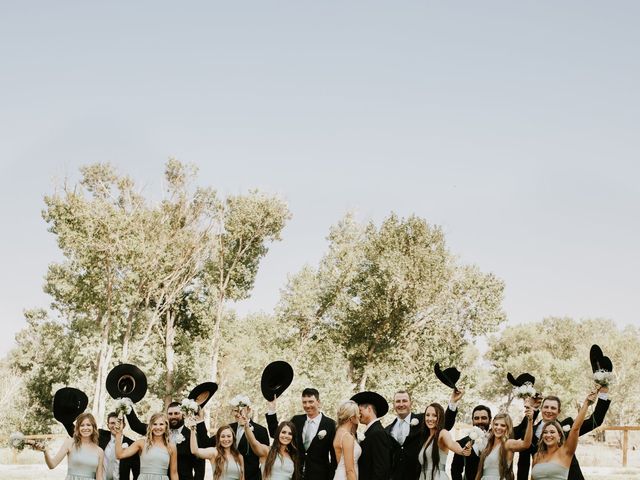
(189, 407)
(602, 377)
(123, 407)
(524, 391)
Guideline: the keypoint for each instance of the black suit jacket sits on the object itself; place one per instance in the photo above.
(319, 461)
(251, 460)
(589, 424)
(464, 468)
(375, 460)
(190, 467)
(404, 458)
(129, 465)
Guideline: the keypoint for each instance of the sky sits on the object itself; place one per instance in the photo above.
(513, 125)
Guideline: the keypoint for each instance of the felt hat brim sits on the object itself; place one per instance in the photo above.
(126, 380)
(276, 378)
(521, 379)
(202, 393)
(372, 398)
(68, 403)
(448, 376)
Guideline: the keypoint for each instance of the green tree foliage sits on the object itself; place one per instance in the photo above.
(393, 300)
(556, 352)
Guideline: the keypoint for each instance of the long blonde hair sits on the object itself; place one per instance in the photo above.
(346, 410)
(505, 467)
(76, 429)
(149, 436)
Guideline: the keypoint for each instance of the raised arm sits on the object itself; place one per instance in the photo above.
(272, 417)
(131, 450)
(572, 439)
(446, 440)
(258, 448)
(516, 445)
(53, 462)
(205, 453)
(599, 412)
(135, 423)
(452, 409)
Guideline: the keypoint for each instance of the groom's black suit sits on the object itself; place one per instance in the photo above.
(190, 467)
(318, 462)
(405, 464)
(590, 423)
(375, 460)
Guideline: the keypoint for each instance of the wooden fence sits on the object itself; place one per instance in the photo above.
(625, 438)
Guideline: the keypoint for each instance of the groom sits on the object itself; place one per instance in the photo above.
(375, 460)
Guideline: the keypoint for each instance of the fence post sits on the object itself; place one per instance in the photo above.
(625, 445)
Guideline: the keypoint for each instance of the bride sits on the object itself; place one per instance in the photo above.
(344, 443)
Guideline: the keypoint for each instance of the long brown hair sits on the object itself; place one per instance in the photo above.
(274, 451)
(542, 447)
(76, 429)
(221, 460)
(148, 441)
(435, 450)
(504, 466)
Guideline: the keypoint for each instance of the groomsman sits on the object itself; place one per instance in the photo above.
(550, 410)
(251, 461)
(405, 434)
(375, 460)
(314, 436)
(465, 468)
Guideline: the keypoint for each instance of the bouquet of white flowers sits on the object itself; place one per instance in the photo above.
(478, 437)
(240, 401)
(602, 377)
(123, 407)
(17, 440)
(189, 407)
(524, 391)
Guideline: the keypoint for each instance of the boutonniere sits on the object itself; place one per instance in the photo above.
(322, 434)
(179, 438)
(250, 427)
(566, 428)
(414, 422)
(360, 437)
(125, 445)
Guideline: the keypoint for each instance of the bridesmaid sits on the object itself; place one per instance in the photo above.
(437, 442)
(280, 461)
(496, 460)
(157, 455)
(344, 442)
(553, 459)
(85, 457)
(226, 461)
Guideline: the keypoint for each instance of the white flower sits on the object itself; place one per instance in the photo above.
(360, 436)
(179, 438)
(479, 437)
(566, 428)
(123, 406)
(189, 407)
(125, 445)
(240, 401)
(414, 422)
(524, 391)
(322, 434)
(602, 377)
(16, 440)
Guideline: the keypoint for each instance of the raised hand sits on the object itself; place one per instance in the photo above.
(457, 395)
(190, 422)
(466, 451)
(272, 404)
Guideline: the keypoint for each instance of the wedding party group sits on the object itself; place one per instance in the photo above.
(175, 444)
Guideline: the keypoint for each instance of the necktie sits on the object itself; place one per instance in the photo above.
(239, 434)
(402, 432)
(308, 430)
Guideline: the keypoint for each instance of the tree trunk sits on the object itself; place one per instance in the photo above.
(102, 367)
(215, 351)
(169, 354)
(127, 337)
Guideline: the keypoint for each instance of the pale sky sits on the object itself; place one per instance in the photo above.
(514, 125)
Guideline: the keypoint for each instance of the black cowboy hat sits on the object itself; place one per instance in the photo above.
(448, 376)
(68, 403)
(276, 378)
(202, 393)
(521, 379)
(372, 398)
(598, 360)
(126, 380)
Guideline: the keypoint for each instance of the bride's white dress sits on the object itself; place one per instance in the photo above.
(341, 472)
